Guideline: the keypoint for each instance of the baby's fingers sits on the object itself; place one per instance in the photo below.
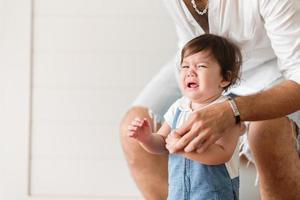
(132, 128)
(132, 134)
(138, 123)
(132, 131)
(145, 122)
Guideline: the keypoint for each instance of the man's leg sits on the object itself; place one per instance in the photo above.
(273, 147)
(149, 171)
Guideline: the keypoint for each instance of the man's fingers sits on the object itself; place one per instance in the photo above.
(168, 139)
(187, 138)
(167, 147)
(184, 128)
(196, 142)
(203, 147)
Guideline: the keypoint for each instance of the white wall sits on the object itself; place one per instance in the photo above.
(15, 62)
(66, 81)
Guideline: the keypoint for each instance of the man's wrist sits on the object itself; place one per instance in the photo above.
(235, 110)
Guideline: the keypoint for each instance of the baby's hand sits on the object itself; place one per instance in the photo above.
(139, 129)
(171, 140)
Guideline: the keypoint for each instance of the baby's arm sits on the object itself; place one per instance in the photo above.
(152, 142)
(216, 154)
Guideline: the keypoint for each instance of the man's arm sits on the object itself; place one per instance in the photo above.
(275, 102)
(217, 153)
(204, 127)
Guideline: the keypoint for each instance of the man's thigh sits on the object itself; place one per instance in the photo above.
(289, 124)
(160, 92)
(274, 149)
(149, 171)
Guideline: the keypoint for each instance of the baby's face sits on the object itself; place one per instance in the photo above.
(200, 77)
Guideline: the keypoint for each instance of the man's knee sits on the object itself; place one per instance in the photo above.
(131, 148)
(136, 156)
(132, 113)
(269, 134)
(273, 147)
(147, 169)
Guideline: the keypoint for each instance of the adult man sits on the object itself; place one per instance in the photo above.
(267, 31)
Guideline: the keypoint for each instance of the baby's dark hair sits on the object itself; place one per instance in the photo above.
(226, 53)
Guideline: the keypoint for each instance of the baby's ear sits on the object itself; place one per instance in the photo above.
(224, 83)
(226, 80)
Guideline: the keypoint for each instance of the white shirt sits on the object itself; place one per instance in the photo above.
(267, 31)
(183, 104)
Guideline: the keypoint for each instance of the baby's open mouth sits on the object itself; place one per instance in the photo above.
(192, 85)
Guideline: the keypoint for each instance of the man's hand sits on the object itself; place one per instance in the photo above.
(205, 127)
(171, 140)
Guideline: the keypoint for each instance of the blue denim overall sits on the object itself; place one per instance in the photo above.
(191, 180)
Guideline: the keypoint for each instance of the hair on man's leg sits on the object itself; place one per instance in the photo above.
(148, 170)
(273, 146)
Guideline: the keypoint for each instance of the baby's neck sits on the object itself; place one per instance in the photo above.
(195, 105)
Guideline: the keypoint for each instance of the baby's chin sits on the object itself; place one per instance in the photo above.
(197, 97)
(193, 96)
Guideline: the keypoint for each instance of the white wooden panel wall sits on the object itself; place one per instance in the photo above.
(91, 57)
(15, 43)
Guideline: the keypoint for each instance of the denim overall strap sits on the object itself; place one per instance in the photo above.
(174, 123)
(235, 187)
(178, 188)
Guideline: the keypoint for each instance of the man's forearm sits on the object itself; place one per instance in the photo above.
(275, 102)
(214, 155)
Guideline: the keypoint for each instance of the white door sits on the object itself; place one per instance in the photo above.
(69, 69)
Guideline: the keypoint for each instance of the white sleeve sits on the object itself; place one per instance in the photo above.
(183, 38)
(282, 23)
(170, 114)
(182, 28)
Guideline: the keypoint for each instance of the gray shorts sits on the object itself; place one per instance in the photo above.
(163, 90)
